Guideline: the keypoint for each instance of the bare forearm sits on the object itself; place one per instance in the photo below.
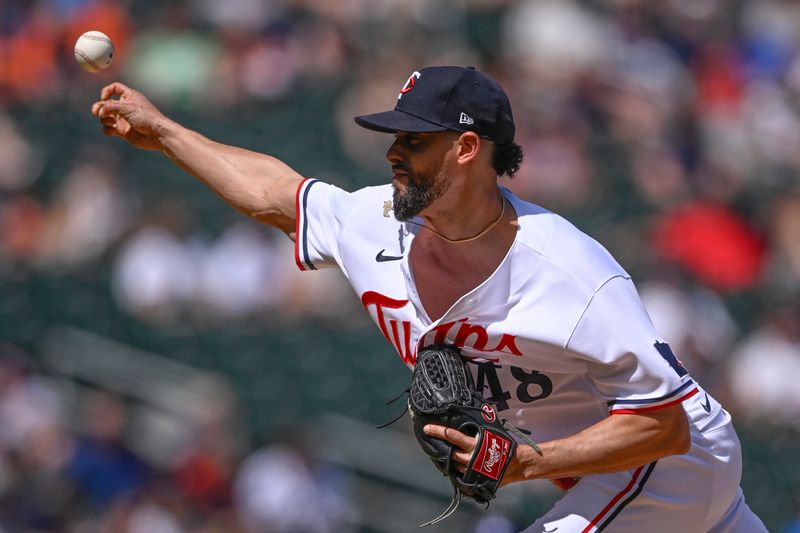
(258, 185)
(620, 442)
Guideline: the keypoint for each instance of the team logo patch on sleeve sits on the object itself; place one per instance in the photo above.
(666, 352)
(492, 456)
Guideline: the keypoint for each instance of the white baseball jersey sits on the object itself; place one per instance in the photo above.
(556, 338)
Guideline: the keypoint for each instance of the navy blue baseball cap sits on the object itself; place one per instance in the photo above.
(448, 98)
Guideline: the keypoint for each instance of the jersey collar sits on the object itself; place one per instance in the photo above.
(493, 293)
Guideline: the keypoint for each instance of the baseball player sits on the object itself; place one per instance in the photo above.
(552, 327)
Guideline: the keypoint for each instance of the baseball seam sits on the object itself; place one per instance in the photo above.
(88, 60)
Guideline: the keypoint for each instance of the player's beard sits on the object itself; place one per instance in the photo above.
(421, 191)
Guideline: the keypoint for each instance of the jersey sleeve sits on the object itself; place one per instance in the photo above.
(322, 211)
(627, 361)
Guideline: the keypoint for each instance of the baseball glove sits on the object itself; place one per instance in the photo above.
(442, 392)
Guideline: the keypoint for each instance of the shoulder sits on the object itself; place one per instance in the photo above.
(315, 196)
(313, 186)
(363, 211)
(332, 222)
(562, 247)
(368, 204)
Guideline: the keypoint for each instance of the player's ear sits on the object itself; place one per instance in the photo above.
(469, 146)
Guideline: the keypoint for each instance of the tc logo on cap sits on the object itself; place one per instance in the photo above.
(409, 84)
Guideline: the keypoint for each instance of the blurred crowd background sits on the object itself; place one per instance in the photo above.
(669, 131)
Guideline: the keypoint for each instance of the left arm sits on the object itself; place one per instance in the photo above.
(624, 362)
(619, 442)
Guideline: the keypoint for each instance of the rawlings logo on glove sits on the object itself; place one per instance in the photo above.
(492, 458)
(442, 392)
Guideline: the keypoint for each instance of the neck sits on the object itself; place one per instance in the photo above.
(467, 221)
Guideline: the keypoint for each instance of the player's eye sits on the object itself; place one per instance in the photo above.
(413, 141)
(410, 141)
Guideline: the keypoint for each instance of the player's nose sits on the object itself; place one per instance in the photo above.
(393, 153)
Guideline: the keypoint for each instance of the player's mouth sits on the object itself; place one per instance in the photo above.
(400, 176)
(401, 168)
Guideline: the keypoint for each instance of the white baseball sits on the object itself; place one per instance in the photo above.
(94, 51)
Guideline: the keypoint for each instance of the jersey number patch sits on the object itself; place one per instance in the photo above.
(531, 384)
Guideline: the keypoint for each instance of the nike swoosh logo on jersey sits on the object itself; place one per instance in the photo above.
(550, 530)
(380, 258)
(707, 404)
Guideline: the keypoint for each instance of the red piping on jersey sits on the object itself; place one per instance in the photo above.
(596, 519)
(300, 265)
(630, 411)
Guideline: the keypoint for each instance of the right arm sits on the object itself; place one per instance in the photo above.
(258, 185)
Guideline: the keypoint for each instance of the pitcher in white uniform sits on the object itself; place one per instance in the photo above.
(552, 327)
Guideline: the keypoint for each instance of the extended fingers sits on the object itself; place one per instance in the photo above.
(107, 112)
(107, 108)
(106, 105)
(451, 435)
(465, 443)
(115, 89)
(97, 108)
(115, 125)
(463, 458)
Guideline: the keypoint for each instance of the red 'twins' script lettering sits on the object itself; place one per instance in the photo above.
(466, 334)
(475, 335)
(382, 302)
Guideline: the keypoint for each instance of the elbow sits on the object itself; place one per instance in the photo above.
(671, 433)
(682, 444)
(679, 435)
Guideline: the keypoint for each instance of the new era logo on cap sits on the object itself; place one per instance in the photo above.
(434, 99)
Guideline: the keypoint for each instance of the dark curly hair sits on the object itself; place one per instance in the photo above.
(506, 158)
